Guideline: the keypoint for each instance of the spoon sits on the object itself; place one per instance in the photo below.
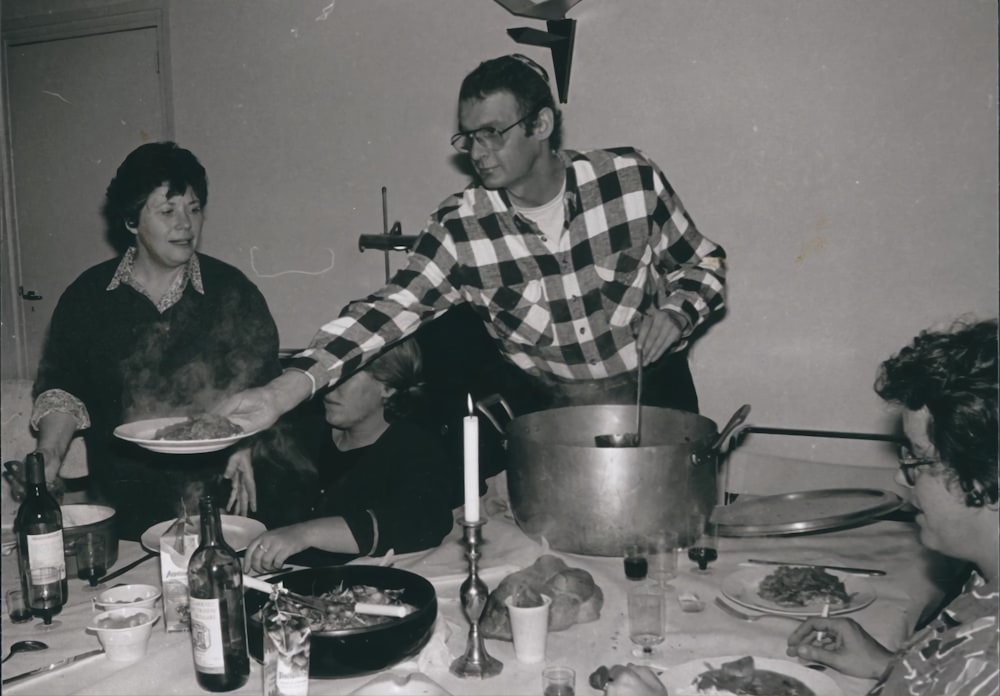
(628, 439)
(24, 646)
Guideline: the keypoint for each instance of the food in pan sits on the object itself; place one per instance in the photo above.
(740, 677)
(797, 586)
(340, 614)
(207, 426)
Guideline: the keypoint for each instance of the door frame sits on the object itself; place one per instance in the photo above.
(125, 16)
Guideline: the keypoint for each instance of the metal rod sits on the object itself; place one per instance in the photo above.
(740, 435)
(385, 227)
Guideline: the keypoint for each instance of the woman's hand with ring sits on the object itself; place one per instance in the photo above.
(267, 553)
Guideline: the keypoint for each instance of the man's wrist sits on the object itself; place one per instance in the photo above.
(290, 389)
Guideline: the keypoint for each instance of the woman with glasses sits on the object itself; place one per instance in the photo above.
(577, 262)
(946, 386)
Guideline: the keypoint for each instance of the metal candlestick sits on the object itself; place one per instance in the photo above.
(475, 662)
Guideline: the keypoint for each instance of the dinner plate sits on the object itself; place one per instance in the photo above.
(237, 531)
(142, 432)
(679, 680)
(742, 588)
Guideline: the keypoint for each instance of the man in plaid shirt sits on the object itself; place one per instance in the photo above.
(577, 262)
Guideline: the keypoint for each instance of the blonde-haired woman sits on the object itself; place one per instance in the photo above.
(383, 482)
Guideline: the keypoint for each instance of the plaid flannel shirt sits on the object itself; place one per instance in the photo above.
(628, 245)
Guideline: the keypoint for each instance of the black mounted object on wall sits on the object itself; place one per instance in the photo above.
(559, 38)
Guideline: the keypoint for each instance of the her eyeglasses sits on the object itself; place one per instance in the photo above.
(488, 137)
(909, 463)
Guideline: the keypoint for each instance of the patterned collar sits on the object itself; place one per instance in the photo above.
(125, 273)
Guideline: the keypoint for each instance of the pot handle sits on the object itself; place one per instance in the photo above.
(485, 405)
(737, 419)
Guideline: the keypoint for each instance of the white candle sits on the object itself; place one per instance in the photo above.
(470, 432)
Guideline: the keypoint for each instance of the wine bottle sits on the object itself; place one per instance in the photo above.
(40, 542)
(218, 624)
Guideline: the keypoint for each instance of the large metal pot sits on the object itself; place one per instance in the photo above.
(591, 500)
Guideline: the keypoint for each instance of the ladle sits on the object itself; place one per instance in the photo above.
(628, 439)
(24, 646)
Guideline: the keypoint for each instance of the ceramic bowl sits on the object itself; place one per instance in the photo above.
(127, 597)
(124, 633)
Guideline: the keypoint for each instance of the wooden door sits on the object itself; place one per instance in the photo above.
(79, 102)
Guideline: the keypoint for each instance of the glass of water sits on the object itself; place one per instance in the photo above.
(647, 617)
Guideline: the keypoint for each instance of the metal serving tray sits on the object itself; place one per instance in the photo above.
(804, 512)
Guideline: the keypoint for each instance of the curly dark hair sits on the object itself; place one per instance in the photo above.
(144, 170)
(954, 375)
(525, 79)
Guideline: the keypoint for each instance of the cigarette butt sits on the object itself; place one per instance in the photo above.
(396, 610)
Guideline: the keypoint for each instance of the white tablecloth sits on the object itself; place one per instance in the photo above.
(168, 668)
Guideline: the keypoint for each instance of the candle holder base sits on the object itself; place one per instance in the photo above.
(476, 665)
(473, 593)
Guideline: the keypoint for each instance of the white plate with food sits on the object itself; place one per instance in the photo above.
(797, 591)
(747, 675)
(183, 434)
(237, 531)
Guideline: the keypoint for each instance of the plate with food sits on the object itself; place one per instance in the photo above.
(747, 676)
(237, 531)
(797, 590)
(206, 432)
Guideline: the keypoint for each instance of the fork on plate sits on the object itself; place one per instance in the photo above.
(733, 611)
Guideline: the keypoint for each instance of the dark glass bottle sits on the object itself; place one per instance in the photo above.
(218, 624)
(40, 543)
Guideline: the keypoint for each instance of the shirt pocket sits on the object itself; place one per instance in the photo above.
(623, 277)
(519, 313)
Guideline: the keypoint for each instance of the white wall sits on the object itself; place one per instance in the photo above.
(844, 152)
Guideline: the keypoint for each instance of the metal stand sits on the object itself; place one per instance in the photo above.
(475, 662)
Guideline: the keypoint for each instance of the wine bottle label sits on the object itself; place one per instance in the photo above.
(46, 561)
(206, 636)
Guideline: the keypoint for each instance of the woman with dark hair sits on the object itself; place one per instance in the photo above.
(382, 483)
(159, 331)
(946, 384)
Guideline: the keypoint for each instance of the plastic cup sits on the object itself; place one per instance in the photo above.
(558, 681)
(530, 627)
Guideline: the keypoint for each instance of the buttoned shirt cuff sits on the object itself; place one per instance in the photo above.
(59, 401)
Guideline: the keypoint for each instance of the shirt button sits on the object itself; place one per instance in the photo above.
(583, 331)
(544, 238)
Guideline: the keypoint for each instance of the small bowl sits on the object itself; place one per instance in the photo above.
(122, 642)
(127, 597)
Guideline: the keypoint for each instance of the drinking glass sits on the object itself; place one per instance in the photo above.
(45, 596)
(704, 542)
(558, 681)
(663, 557)
(17, 607)
(636, 564)
(647, 617)
(91, 560)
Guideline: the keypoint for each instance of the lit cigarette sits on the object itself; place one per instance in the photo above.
(821, 635)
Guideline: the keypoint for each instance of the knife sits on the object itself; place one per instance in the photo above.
(54, 666)
(842, 569)
(124, 569)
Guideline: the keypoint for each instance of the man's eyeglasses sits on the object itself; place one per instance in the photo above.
(909, 463)
(488, 137)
